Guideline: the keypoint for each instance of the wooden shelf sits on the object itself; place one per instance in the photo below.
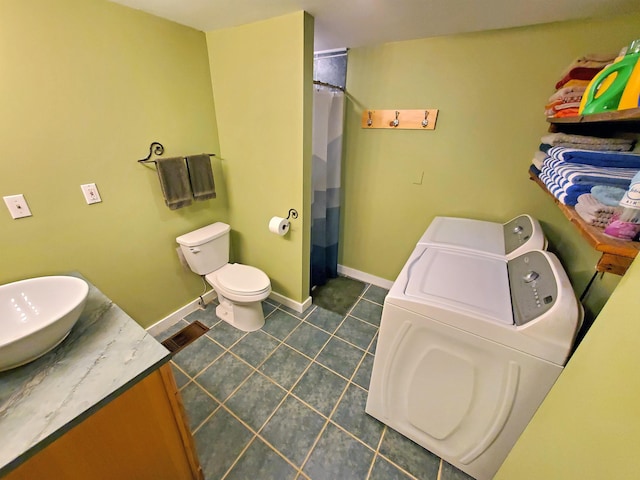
(628, 115)
(617, 255)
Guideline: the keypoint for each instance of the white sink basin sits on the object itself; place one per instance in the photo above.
(36, 315)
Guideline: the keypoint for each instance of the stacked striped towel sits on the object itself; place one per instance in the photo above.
(593, 212)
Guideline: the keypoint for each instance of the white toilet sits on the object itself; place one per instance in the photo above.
(240, 288)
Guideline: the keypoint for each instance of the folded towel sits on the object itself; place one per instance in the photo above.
(584, 142)
(538, 159)
(608, 195)
(585, 68)
(201, 177)
(577, 173)
(590, 218)
(174, 181)
(566, 194)
(591, 157)
(593, 206)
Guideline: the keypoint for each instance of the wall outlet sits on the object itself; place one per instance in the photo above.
(90, 192)
(17, 206)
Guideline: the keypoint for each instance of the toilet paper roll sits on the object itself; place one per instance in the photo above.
(279, 225)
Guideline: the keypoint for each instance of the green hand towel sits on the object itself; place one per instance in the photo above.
(201, 177)
(174, 181)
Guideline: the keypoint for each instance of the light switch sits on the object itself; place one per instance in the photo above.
(17, 206)
(90, 192)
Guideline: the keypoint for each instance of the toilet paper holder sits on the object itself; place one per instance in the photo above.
(292, 213)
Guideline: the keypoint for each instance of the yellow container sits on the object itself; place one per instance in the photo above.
(631, 95)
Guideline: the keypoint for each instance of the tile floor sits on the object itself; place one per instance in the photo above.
(287, 401)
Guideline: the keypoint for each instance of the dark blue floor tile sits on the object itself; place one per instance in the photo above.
(181, 378)
(255, 400)
(374, 344)
(206, 316)
(351, 416)
(280, 324)
(410, 456)
(219, 442)
(267, 308)
(338, 456)
(367, 311)
(357, 332)
(307, 339)
(259, 462)
(197, 404)
(340, 357)
(224, 376)
(376, 294)
(325, 319)
(196, 356)
(383, 470)
(285, 366)
(225, 334)
(449, 472)
(320, 388)
(363, 374)
(255, 347)
(293, 430)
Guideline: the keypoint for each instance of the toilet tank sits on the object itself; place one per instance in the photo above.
(206, 249)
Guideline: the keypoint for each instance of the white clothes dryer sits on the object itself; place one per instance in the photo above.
(469, 346)
(504, 240)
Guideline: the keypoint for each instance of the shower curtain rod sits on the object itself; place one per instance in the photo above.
(329, 85)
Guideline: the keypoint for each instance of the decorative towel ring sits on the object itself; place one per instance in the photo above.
(292, 213)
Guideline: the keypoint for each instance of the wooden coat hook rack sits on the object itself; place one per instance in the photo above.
(400, 119)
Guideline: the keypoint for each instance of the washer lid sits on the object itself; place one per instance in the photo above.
(242, 279)
(465, 233)
(457, 280)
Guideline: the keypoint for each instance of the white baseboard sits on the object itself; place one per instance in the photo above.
(297, 306)
(179, 314)
(173, 318)
(365, 277)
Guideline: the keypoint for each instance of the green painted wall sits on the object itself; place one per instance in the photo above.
(262, 79)
(86, 86)
(588, 427)
(490, 88)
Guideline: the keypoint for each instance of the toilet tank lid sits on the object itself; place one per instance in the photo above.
(203, 235)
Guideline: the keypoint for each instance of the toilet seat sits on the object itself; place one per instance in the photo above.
(240, 282)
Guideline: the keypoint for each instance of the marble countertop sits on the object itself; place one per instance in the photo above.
(105, 353)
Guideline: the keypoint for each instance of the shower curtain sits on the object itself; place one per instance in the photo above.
(328, 112)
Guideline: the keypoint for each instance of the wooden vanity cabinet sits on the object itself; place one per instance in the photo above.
(141, 434)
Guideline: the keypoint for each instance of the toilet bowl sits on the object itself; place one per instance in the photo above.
(240, 288)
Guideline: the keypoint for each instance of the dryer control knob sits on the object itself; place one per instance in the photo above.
(518, 229)
(531, 276)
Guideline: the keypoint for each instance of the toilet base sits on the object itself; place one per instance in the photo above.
(247, 317)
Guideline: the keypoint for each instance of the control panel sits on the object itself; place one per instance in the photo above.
(534, 289)
(517, 232)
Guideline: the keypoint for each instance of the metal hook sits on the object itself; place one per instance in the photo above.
(292, 213)
(425, 122)
(396, 122)
(369, 122)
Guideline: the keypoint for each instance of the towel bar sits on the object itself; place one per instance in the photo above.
(158, 149)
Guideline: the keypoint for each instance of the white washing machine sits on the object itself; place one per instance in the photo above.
(517, 236)
(469, 346)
